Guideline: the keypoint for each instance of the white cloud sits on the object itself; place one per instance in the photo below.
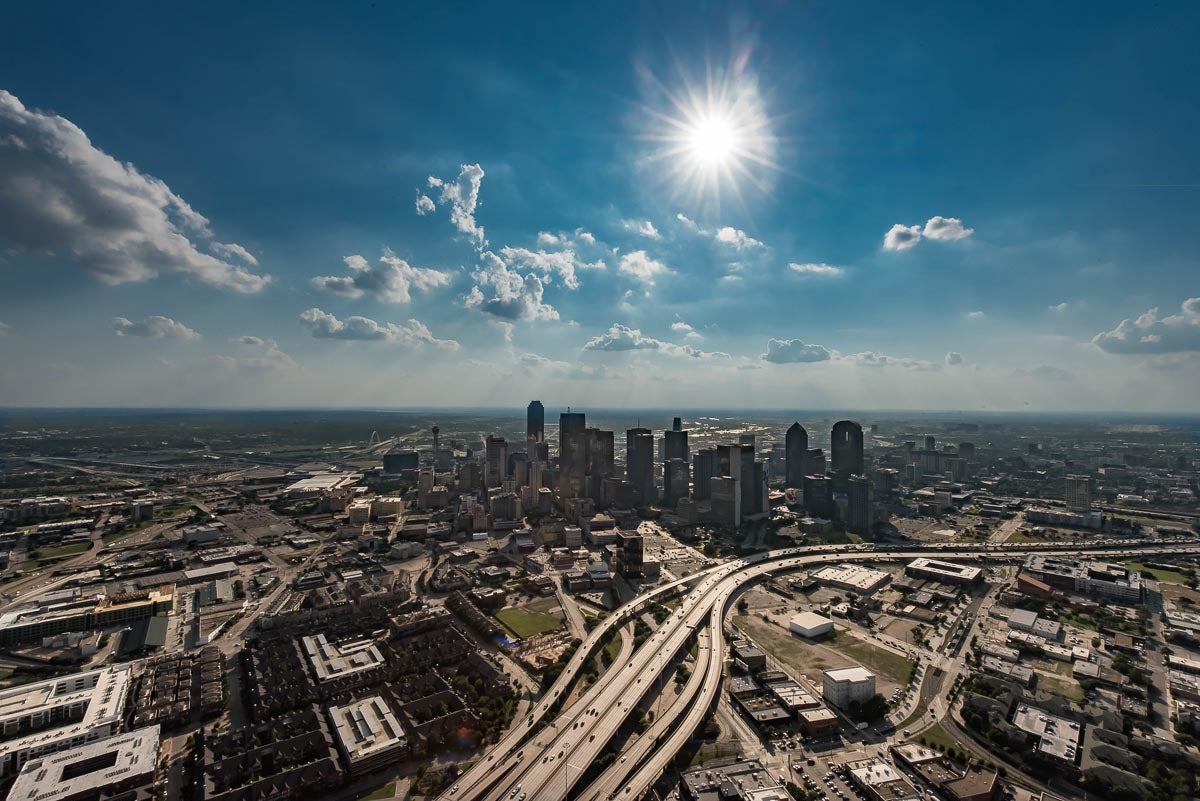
(61, 195)
(391, 280)
(872, 359)
(816, 270)
(1149, 333)
(622, 338)
(546, 239)
(679, 326)
(462, 195)
(1060, 307)
(265, 355)
(793, 351)
(534, 365)
(322, 325)
(640, 267)
(642, 228)
(975, 315)
(232, 250)
(945, 229)
(511, 296)
(424, 204)
(902, 237)
(153, 327)
(737, 239)
(562, 262)
(954, 358)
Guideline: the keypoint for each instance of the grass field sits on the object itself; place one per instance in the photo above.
(613, 646)
(1021, 536)
(1067, 688)
(65, 550)
(876, 659)
(526, 624)
(937, 737)
(386, 791)
(819, 656)
(1168, 576)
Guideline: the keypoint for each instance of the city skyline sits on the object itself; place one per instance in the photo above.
(780, 209)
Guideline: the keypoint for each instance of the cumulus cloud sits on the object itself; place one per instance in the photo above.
(679, 326)
(954, 358)
(534, 365)
(509, 295)
(153, 327)
(622, 338)
(232, 250)
(737, 239)
(263, 354)
(62, 195)
(872, 359)
(902, 237)
(816, 270)
(1150, 333)
(424, 204)
(462, 196)
(640, 267)
(642, 228)
(794, 351)
(936, 229)
(391, 280)
(944, 229)
(562, 263)
(975, 315)
(1059, 307)
(413, 334)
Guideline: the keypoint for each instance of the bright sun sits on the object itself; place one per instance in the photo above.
(712, 140)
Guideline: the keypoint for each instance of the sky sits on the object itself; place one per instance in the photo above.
(769, 205)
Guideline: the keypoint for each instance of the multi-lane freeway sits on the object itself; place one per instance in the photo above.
(537, 760)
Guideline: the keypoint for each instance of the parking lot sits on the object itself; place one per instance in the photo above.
(825, 776)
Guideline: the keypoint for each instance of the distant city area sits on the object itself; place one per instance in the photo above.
(542, 604)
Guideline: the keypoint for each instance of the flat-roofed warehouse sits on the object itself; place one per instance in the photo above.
(810, 624)
(937, 570)
(852, 578)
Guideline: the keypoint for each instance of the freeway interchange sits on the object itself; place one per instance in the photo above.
(544, 755)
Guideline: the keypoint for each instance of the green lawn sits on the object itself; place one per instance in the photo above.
(526, 624)
(386, 791)
(65, 550)
(1021, 536)
(1168, 576)
(1066, 688)
(613, 646)
(937, 737)
(894, 666)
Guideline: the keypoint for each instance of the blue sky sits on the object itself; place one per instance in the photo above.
(901, 207)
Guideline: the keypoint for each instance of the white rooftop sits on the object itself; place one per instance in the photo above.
(365, 728)
(852, 674)
(112, 760)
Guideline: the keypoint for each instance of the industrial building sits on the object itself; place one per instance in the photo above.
(881, 782)
(1097, 579)
(852, 578)
(948, 572)
(844, 686)
(810, 625)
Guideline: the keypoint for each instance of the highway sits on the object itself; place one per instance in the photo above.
(561, 751)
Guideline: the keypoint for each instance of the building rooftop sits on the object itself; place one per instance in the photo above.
(365, 728)
(950, 570)
(856, 577)
(333, 661)
(1058, 737)
(853, 674)
(93, 766)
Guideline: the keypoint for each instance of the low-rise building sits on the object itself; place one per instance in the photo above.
(368, 735)
(101, 769)
(844, 686)
(852, 578)
(810, 625)
(948, 572)
(881, 782)
(1054, 736)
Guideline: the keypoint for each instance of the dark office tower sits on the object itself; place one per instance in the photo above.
(816, 462)
(703, 470)
(601, 462)
(676, 445)
(495, 468)
(966, 450)
(639, 464)
(846, 448)
(629, 554)
(746, 440)
(572, 454)
(859, 507)
(677, 424)
(795, 455)
(737, 462)
(762, 495)
(930, 443)
(535, 422)
(676, 481)
(817, 499)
